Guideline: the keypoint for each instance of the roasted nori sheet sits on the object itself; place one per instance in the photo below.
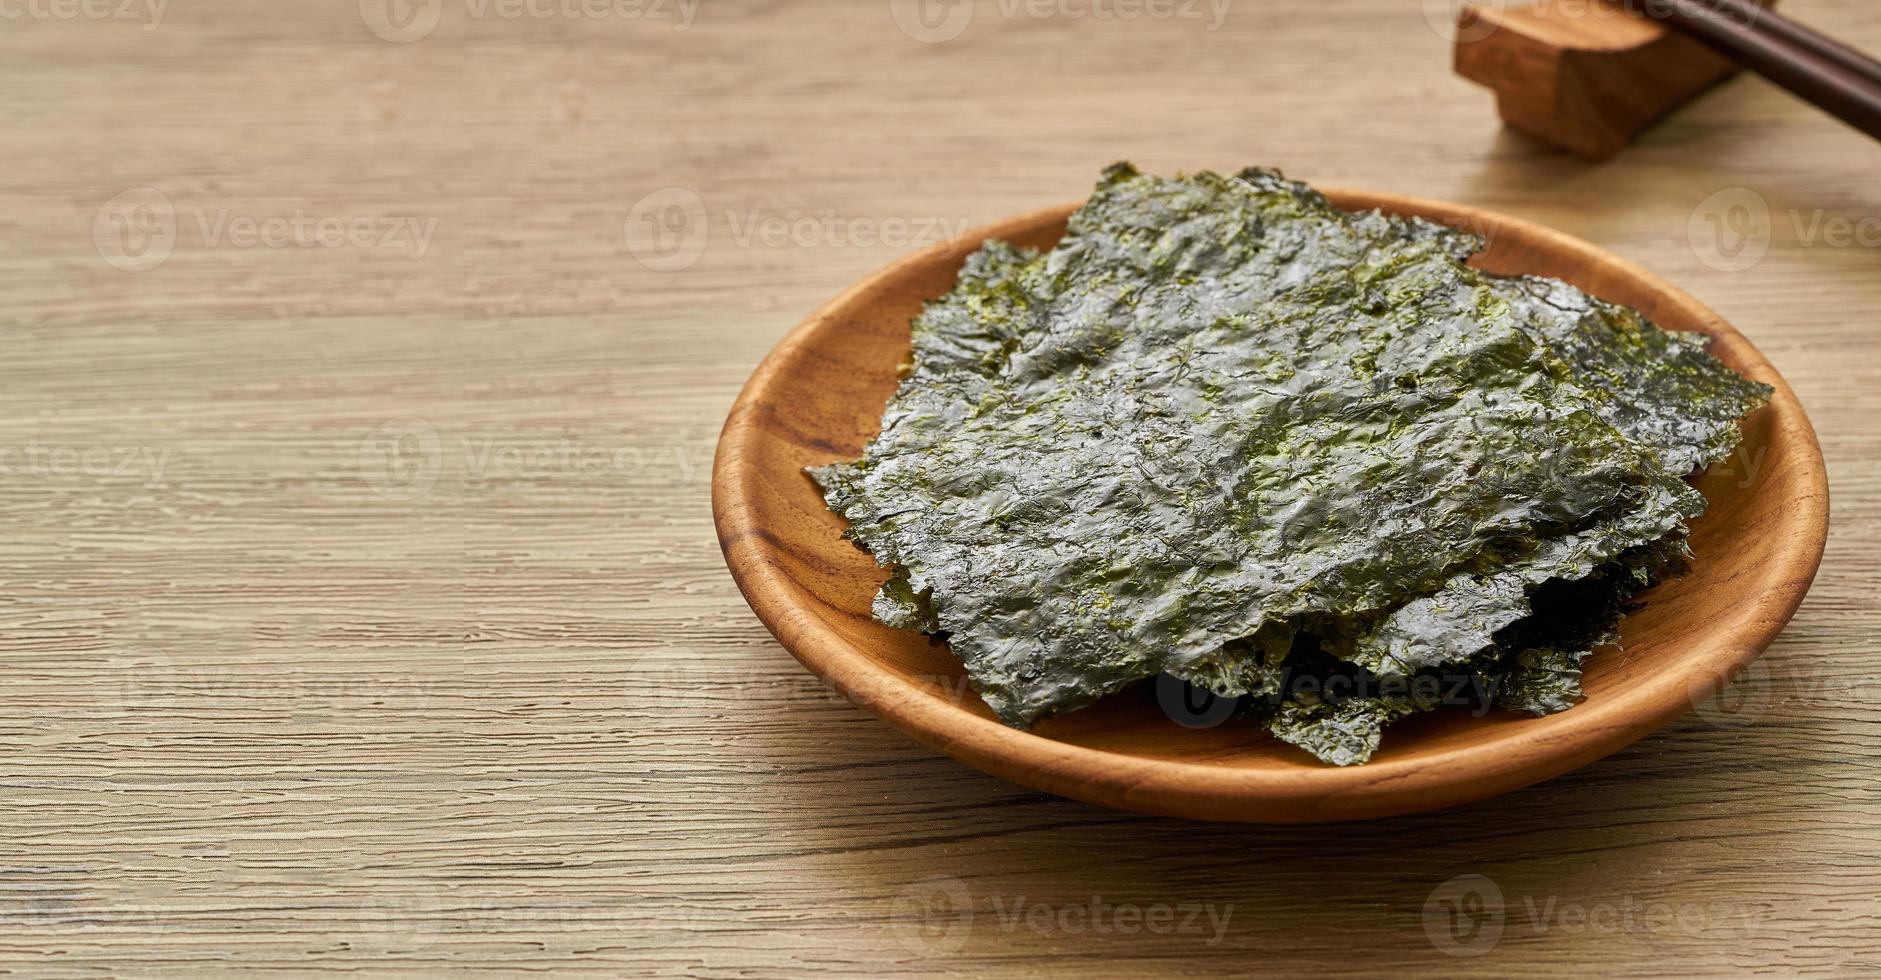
(1222, 421)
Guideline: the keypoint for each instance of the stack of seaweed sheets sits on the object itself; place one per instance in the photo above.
(1301, 457)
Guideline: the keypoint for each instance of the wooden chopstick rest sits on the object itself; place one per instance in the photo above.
(1585, 76)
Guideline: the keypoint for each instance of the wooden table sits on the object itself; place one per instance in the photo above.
(362, 608)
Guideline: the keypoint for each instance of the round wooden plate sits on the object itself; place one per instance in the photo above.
(818, 397)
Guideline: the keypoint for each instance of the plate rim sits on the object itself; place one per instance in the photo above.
(1533, 753)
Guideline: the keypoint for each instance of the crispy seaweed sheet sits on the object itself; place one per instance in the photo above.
(1288, 454)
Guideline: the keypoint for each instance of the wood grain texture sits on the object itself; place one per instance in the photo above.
(271, 711)
(820, 396)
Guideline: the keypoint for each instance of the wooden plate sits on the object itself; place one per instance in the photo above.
(818, 397)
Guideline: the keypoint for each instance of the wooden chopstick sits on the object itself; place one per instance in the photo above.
(1785, 57)
(1802, 36)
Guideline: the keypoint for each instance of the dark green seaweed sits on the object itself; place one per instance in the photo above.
(1222, 415)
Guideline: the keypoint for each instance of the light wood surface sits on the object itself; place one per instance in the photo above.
(820, 396)
(269, 707)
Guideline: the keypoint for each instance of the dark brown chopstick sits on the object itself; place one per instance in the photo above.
(1805, 69)
(1802, 36)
